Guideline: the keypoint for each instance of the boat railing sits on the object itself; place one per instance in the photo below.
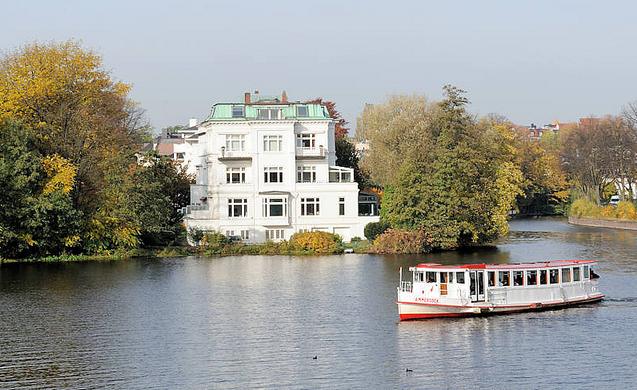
(406, 286)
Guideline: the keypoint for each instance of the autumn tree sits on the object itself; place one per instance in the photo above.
(601, 152)
(37, 216)
(397, 130)
(459, 189)
(79, 112)
(341, 128)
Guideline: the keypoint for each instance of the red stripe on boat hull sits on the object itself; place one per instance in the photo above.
(531, 307)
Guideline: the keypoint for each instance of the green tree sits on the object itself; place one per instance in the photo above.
(161, 188)
(460, 190)
(37, 216)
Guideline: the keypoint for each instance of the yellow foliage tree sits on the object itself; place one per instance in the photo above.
(61, 174)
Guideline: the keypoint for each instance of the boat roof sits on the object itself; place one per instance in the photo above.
(541, 264)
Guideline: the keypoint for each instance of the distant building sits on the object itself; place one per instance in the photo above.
(180, 144)
(266, 169)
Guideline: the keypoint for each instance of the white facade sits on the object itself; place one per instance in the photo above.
(268, 179)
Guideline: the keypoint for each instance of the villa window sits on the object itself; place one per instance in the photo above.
(341, 206)
(587, 274)
(543, 276)
(431, 277)
(419, 276)
(275, 207)
(302, 111)
(306, 174)
(504, 279)
(310, 206)
(272, 143)
(273, 175)
(518, 278)
(554, 276)
(450, 277)
(566, 275)
(531, 278)
(268, 113)
(576, 276)
(245, 234)
(235, 175)
(237, 111)
(491, 278)
(307, 141)
(235, 142)
(460, 277)
(237, 208)
(180, 155)
(443, 277)
(274, 234)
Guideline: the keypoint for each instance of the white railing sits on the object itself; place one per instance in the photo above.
(311, 152)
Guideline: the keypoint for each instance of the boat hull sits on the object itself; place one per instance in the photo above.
(417, 311)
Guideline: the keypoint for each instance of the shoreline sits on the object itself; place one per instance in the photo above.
(603, 223)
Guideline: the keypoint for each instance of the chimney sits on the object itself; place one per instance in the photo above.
(192, 122)
(284, 97)
(246, 98)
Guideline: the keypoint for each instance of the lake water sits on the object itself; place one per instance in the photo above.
(244, 322)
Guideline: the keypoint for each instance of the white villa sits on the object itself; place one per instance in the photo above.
(266, 169)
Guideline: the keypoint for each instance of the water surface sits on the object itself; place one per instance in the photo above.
(240, 322)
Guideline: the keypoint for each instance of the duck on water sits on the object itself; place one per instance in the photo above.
(437, 290)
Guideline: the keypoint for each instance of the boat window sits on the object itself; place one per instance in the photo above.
(531, 278)
(431, 277)
(518, 278)
(443, 277)
(543, 278)
(586, 272)
(460, 277)
(576, 274)
(491, 278)
(503, 278)
(419, 277)
(450, 277)
(566, 275)
(554, 276)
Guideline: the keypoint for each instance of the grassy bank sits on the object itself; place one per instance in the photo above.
(215, 244)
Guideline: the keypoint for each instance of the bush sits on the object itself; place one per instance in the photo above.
(317, 242)
(402, 241)
(213, 242)
(625, 210)
(195, 235)
(375, 229)
(585, 208)
(356, 239)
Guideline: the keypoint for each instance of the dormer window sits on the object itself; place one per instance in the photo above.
(268, 113)
(237, 111)
(302, 111)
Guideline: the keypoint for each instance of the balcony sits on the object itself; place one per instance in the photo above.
(234, 155)
(311, 153)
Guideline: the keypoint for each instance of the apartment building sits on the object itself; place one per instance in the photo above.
(267, 169)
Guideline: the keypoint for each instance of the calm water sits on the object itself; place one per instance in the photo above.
(240, 322)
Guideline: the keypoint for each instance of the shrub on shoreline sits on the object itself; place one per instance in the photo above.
(624, 210)
(402, 241)
(375, 229)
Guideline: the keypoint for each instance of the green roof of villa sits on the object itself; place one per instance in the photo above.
(289, 111)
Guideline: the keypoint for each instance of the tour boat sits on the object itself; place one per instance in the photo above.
(437, 290)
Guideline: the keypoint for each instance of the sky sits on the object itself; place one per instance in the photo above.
(531, 61)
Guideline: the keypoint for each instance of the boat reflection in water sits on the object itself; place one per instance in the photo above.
(478, 289)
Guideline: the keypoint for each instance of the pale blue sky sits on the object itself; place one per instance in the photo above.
(532, 61)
